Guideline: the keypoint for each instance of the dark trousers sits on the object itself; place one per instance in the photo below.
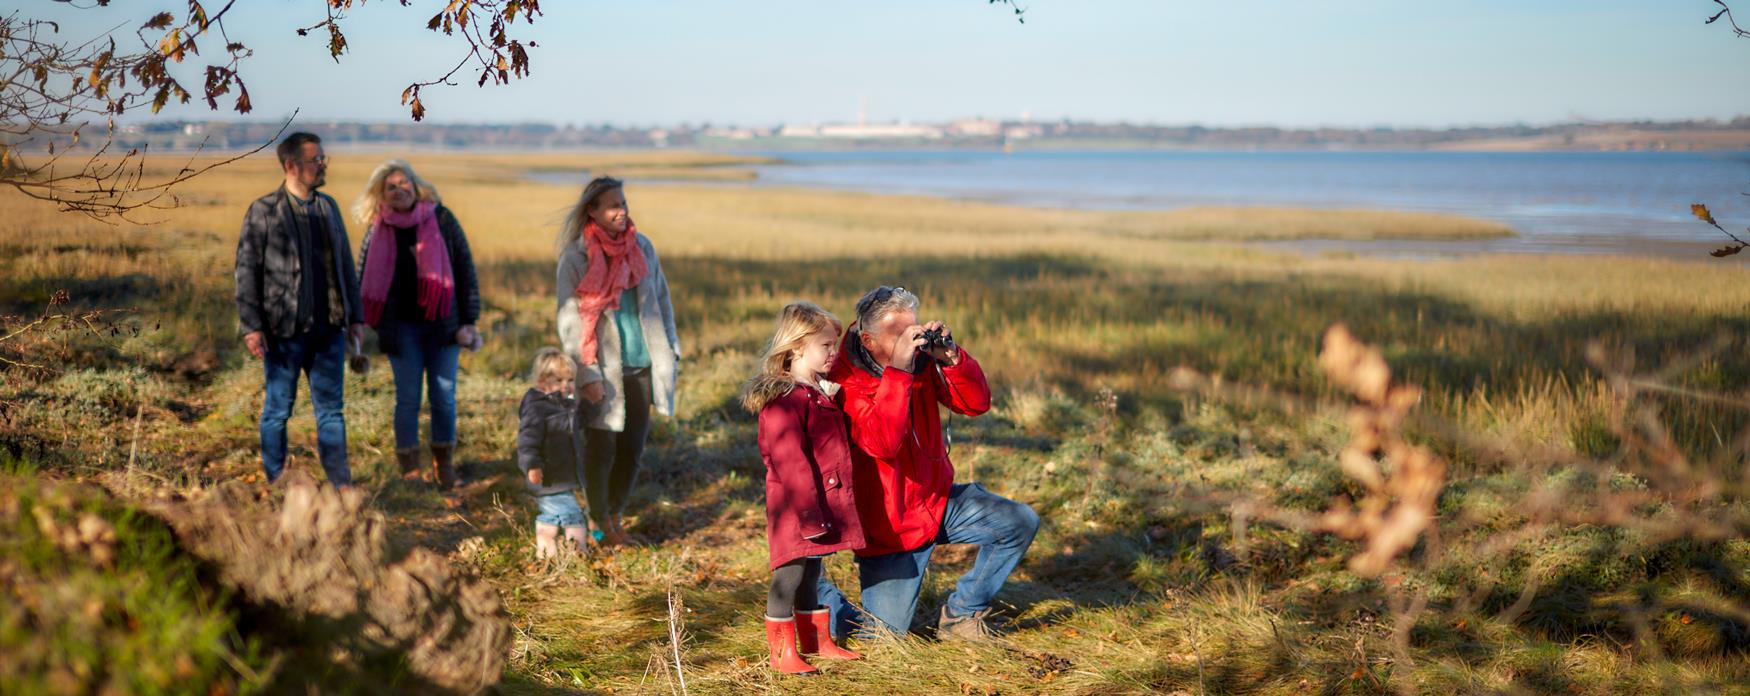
(610, 459)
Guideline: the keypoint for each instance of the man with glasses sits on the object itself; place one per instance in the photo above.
(298, 303)
(893, 373)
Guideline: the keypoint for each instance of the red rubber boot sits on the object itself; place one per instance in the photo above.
(814, 634)
(781, 640)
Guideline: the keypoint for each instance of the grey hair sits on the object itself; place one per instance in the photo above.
(875, 306)
(882, 301)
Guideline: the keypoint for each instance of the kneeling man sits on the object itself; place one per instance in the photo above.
(893, 372)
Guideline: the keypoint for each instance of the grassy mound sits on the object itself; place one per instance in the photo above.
(99, 599)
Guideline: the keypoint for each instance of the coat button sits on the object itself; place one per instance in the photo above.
(832, 482)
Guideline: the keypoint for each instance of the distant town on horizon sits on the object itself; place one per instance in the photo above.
(969, 133)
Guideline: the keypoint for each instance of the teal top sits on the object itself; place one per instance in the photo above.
(633, 352)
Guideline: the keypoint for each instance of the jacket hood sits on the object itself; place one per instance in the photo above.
(764, 389)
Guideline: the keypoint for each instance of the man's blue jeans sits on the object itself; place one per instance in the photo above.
(1001, 528)
(322, 355)
(421, 362)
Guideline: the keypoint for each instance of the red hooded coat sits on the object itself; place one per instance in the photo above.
(810, 510)
(902, 472)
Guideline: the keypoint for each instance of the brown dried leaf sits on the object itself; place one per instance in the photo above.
(1360, 466)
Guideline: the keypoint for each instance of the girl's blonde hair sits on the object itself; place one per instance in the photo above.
(572, 228)
(550, 363)
(798, 321)
(365, 208)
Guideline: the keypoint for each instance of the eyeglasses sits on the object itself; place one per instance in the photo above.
(319, 159)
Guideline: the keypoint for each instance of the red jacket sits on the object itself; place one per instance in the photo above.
(808, 477)
(902, 468)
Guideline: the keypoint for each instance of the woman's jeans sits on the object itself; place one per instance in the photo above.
(424, 359)
(610, 459)
(1001, 528)
(321, 354)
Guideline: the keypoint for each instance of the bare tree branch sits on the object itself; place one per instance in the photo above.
(54, 90)
(1726, 12)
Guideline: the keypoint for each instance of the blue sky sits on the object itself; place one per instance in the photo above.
(765, 62)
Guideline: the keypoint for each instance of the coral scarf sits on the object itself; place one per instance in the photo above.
(437, 280)
(615, 264)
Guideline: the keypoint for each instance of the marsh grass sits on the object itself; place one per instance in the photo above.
(1134, 586)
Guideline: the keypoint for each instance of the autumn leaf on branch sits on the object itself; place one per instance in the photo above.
(1701, 213)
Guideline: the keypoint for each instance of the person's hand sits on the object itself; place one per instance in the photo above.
(535, 477)
(357, 334)
(947, 355)
(256, 343)
(905, 348)
(593, 392)
(466, 336)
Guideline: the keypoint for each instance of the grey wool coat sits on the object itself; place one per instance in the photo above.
(655, 315)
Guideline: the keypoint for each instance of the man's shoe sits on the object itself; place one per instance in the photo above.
(971, 628)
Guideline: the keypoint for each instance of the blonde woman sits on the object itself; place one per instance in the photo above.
(421, 295)
(811, 510)
(616, 321)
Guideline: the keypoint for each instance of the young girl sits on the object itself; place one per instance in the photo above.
(616, 321)
(810, 511)
(549, 450)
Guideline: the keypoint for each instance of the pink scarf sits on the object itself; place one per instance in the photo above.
(615, 264)
(437, 281)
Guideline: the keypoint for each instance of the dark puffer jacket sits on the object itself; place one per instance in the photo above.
(465, 309)
(549, 439)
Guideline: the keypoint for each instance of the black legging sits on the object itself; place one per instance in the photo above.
(793, 586)
(610, 459)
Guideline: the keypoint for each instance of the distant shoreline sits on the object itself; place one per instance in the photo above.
(1627, 141)
(181, 137)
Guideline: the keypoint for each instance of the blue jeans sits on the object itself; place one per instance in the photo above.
(1002, 529)
(322, 355)
(559, 510)
(420, 361)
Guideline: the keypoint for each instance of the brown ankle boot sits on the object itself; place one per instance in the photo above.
(613, 534)
(814, 636)
(443, 466)
(408, 460)
(781, 641)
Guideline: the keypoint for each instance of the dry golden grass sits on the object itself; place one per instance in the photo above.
(1055, 304)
